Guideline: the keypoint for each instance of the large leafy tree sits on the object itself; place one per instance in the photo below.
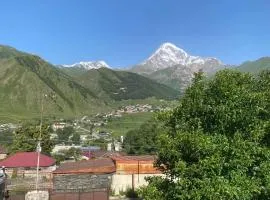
(64, 134)
(26, 137)
(142, 140)
(216, 143)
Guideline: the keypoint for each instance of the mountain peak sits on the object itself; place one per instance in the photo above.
(89, 65)
(168, 45)
(169, 55)
(166, 55)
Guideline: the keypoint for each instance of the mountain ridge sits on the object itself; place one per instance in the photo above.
(168, 55)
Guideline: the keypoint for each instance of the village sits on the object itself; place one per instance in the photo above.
(93, 164)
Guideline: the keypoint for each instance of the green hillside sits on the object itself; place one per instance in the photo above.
(255, 66)
(172, 77)
(120, 85)
(23, 80)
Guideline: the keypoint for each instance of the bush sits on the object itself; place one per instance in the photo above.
(130, 193)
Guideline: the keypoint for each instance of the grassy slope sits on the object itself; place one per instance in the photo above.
(255, 66)
(120, 126)
(108, 83)
(168, 77)
(24, 77)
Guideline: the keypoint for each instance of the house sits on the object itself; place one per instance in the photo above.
(58, 148)
(86, 175)
(131, 172)
(101, 154)
(25, 164)
(3, 152)
(58, 125)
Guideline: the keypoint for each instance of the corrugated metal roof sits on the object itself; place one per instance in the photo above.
(27, 159)
(98, 166)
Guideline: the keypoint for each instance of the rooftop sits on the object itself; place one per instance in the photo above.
(27, 159)
(96, 166)
(134, 158)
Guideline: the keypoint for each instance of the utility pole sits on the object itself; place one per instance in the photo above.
(39, 145)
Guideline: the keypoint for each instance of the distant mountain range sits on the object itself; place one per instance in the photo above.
(85, 87)
(255, 66)
(169, 55)
(25, 78)
(168, 65)
(88, 65)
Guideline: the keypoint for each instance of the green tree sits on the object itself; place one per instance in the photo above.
(64, 134)
(76, 139)
(75, 153)
(26, 137)
(142, 140)
(72, 153)
(216, 142)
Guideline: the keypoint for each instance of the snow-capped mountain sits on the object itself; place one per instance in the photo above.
(174, 67)
(89, 65)
(168, 55)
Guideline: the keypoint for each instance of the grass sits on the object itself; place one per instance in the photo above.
(120, 126)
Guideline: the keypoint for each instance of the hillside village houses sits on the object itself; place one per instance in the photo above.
(99, 169)
(108, 171)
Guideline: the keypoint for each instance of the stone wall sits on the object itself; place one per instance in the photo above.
(83, 182)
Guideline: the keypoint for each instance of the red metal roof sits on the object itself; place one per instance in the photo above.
(98, 166)
(27, 159)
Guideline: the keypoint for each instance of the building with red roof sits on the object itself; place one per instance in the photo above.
(26, 162)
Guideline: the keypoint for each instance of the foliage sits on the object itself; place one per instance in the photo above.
(120, 85)
(102, 143)
(76, 139)
(142, 140)
(64, 134)
(26, 137)
(72, 153)
(217, 145)
(131, 193)
(6, 137)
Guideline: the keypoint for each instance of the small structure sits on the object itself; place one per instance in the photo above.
(58, 125)
(101, 154)
(37, 195)
(87, 175)
(25, 164)
(59, 148)
(131, 172)
(3, 152)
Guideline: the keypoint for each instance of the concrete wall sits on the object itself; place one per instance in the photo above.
(64, 182)
(121, 182)
(3, 156)
(22, 172)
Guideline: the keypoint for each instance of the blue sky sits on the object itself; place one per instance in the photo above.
(125, 32)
